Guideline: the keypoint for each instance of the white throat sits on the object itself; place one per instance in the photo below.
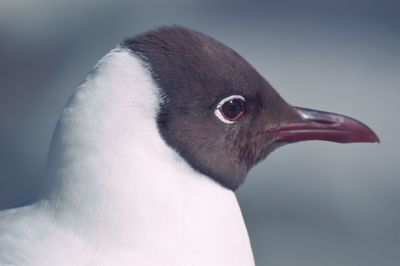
(116, 179)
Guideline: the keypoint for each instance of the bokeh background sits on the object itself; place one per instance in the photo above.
(312, 203)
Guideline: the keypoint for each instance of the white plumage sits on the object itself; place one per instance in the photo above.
(120, 195)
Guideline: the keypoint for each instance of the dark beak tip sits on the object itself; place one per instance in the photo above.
(368, 134)
(375, 138)
(369, 139)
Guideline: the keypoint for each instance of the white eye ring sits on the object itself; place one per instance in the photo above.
(218, 113)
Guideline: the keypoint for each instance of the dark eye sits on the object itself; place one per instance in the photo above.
(230, 109)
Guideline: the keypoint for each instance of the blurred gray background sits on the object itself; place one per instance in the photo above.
(313, 203)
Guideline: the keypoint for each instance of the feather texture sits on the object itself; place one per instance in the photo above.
(117, 194)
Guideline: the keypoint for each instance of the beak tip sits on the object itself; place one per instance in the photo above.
(376, 139)
(370, 135)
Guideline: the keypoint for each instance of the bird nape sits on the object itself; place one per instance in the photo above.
(148, 151)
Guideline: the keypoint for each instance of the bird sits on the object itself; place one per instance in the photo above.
(147, 155)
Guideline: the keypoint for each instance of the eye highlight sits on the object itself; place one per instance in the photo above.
(230, 109)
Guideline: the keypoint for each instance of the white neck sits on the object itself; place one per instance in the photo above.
(115, 176)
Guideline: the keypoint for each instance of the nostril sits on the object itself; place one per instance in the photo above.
(324, 121)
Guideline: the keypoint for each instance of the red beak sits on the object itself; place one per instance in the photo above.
(318, 125)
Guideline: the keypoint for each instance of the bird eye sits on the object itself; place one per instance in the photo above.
(230, 109)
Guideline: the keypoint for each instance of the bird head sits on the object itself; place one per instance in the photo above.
(220, 114)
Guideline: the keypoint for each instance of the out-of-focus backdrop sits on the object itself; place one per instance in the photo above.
(313, 203)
